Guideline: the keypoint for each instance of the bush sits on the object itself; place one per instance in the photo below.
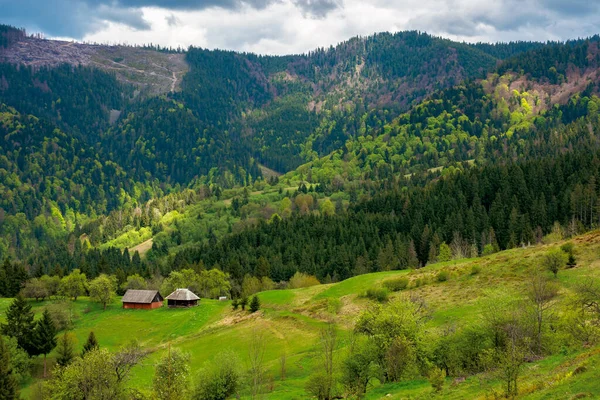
(377, 294)
(219, 379)
(568, 248)
(475, 269)
(334, 305)
(301, 280)
(442, 276)
(395, 285)
(437, 377)
(488, 249)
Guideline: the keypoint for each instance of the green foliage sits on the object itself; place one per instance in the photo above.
(219, 379)
(254, 304)
(91, 377)
(102, 289)
(396, 331)
(171, 379)
(19, 324)
(135, 282)
(9, 385)
(65, 349)
(210, 284)
(378, 294)
(91, 344)
(437, 377)
(12, 278)
(73, 285)
(442, 276)
(555, 260)
(396, 285)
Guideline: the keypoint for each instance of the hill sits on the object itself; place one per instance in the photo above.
(291, 321)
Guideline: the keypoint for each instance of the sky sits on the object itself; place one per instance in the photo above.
(297, 26)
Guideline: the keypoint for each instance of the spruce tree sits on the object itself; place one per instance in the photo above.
(9, 387)
(65, 350)
(44, 336)
(255, 304)
(91, 344)
(19, 324)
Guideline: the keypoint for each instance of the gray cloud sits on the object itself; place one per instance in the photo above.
(317, 8)
(172, 20)
(75, 18)
(68, 18)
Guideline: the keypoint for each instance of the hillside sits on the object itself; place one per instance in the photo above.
(290, 320)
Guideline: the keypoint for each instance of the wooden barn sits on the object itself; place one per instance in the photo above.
(182, 298)
(143, 299)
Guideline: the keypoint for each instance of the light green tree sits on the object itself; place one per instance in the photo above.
(171, 379)
(102, 289)
(73, 285)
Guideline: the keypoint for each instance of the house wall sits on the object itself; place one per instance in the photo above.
(138, 306)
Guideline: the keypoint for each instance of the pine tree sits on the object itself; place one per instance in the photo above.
(243, 303)
(255, 304)
(44, 336)
(19, 324)
(65, 350)
(9, 387)
(91, 344)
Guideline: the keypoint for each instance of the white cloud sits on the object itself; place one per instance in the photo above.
(294, 26)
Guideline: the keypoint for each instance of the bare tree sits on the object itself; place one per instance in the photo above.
(127, 358)
(321, 384)
(257, 363)
(541, 294)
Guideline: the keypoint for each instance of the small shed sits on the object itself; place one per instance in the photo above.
(143, 299)
(182, 298)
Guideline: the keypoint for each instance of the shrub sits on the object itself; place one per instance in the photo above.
(334, 305)
(220, 379)
(395, 285)
(442, 276)
(437, 377)
(568, 248)
(488, 249)
(475, 269)
(301, 280)
(377, 294)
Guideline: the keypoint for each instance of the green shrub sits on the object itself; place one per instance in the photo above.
(475, 269)
(334, 305)
(437, 377)
(377, 294)
(442, 276)
(395, 285)
(488, 249)
(568, 248)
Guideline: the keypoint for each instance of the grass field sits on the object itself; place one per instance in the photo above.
(291, 319)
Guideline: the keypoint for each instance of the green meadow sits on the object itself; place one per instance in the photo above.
(290, 322)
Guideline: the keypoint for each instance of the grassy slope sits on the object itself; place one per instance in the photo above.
(291, 319)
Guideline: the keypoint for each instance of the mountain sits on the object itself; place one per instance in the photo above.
(127, 136)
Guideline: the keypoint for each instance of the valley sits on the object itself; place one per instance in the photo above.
(396, 216)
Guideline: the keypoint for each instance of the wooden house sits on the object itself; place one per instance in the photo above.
(143, 299)
(182, 298)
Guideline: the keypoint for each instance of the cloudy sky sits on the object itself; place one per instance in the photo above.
(294, 26)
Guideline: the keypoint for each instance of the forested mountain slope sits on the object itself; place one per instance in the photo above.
(83, 138)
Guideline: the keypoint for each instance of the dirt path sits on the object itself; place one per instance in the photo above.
(174, 82)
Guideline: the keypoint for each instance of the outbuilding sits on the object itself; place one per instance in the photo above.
(182, 298)
(143, 299)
